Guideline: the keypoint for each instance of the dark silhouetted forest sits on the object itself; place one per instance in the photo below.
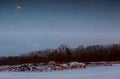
(64, 54)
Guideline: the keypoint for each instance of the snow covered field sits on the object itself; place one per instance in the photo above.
(100, 72)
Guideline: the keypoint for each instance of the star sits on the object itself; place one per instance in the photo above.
(18, 7)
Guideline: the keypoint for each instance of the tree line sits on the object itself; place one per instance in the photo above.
(64, 54)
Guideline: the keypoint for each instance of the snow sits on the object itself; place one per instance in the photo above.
(50, 66)
(100, 72)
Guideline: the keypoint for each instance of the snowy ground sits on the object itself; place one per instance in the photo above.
(101, 72)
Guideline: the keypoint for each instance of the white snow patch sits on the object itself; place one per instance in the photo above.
(100, 72)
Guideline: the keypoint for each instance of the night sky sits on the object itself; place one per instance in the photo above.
(28, 25)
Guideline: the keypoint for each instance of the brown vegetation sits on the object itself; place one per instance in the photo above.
(65, 54)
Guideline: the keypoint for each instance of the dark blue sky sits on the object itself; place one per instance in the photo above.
(28, 25)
